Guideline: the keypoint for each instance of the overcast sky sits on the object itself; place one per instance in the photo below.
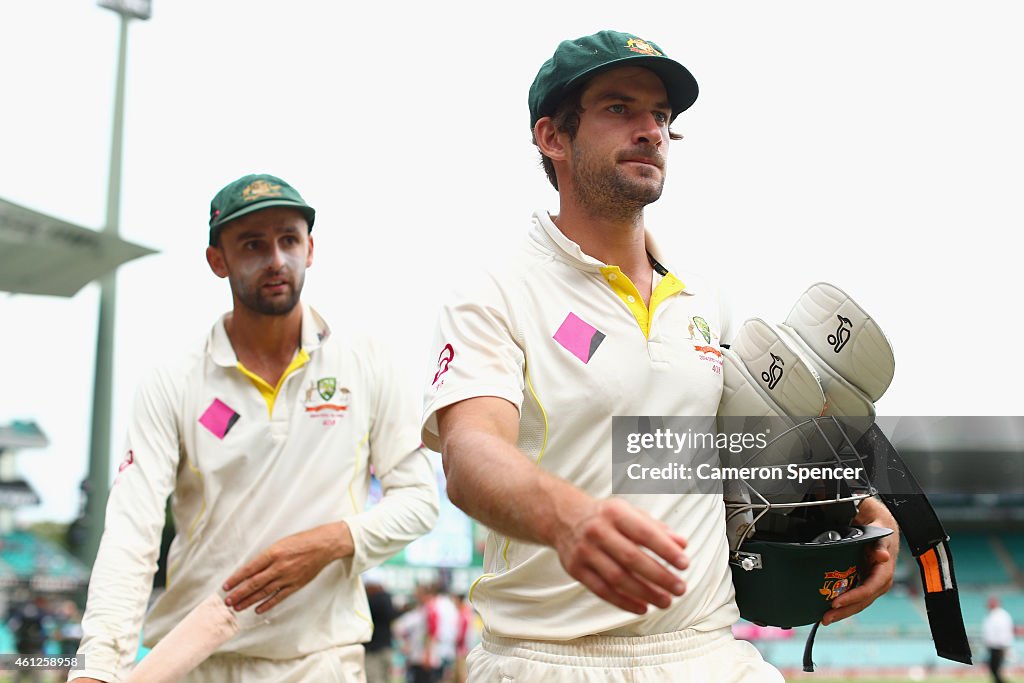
(875, 145)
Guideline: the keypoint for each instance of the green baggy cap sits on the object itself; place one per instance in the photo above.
(252, 193)
(578, 60)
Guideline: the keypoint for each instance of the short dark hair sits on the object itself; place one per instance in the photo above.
(566, 119)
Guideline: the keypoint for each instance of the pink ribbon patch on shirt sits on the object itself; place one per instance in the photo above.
(219, 418)
(579, 337)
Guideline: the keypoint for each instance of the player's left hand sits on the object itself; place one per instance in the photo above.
(286, 566)
(880, 560)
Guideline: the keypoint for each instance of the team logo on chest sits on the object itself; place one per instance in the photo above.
(700, 330)
(326, 387)
(702, 325)
(325, 401)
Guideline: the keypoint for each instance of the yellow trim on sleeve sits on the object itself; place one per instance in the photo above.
(543, 413)
(173, 568)
(540, 455)
(268, 392)
(355, 508)
(355, 471)
(630, 295)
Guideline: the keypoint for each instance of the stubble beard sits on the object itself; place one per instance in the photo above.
(257, 302)
(608, 191)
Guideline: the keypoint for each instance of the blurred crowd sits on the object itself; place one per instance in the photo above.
(424, 639)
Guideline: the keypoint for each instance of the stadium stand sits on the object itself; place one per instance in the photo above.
(977, 562)
(1014, 545)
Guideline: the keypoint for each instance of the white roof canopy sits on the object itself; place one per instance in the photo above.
(40, 254)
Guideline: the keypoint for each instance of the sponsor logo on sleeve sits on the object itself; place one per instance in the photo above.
(128, 461)
(444, 359)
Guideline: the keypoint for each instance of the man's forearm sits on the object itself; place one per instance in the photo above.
(599, 542)
(485, 473)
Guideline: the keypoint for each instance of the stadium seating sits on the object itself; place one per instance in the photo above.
(1014, 544)
(976, 561)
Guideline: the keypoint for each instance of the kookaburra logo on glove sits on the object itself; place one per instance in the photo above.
(774, 372)
(842, 335)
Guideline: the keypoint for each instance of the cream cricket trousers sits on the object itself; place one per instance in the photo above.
(342, 664)
(681, 657)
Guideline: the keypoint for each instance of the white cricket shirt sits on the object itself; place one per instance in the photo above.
(245, 472)
(569, 341)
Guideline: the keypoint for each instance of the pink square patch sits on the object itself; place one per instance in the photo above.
(219, 418)
(579, 337)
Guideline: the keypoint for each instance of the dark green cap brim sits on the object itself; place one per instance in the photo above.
(680, 84)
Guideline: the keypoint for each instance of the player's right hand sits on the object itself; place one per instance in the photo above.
(604, 545)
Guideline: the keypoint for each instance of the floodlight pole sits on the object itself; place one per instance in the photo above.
(99, 444)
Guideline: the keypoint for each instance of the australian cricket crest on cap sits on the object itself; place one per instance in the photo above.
(260, 189)
(837, 583)
(642, 47)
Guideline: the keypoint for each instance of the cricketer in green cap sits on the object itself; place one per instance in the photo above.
(558, 88)
(253, 193)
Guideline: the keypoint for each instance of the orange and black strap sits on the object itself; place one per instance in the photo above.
(928, 541)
